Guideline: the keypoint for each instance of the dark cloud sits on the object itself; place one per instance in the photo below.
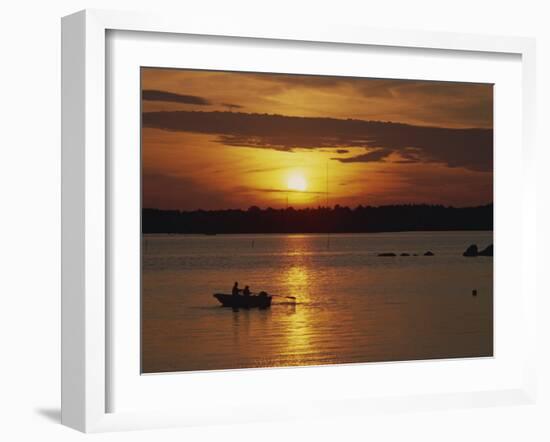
(468, 148)
(154, 95)
(232, 106)
(376, 155)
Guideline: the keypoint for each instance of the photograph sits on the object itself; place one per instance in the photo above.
(292, 220)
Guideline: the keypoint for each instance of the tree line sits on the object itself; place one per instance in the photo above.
(337, 219)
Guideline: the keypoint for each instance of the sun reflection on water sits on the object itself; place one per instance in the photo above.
(296, 279)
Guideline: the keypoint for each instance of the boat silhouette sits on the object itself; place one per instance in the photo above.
(261, 301)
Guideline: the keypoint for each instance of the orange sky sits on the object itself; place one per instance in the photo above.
(218, 140)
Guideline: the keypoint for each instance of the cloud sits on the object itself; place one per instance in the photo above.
(289, 81)
(232, 106)
(266, 169)
(436, 103)
(285, 191)
(376, 155)
(155, 95)
(468, 148)
(463, 104)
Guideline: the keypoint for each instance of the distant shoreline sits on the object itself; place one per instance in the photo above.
(383, 219)
(310, 233)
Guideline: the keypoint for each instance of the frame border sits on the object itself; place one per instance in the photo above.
(84, 202)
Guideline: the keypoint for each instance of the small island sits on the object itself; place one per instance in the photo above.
(472, 251)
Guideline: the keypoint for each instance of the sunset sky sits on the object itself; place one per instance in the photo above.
(219, 140)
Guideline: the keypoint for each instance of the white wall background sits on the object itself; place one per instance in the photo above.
(30, 216)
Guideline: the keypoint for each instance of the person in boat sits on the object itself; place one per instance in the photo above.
(235, 290)
(246, 291)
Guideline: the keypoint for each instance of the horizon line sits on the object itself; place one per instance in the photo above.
(356, 120)
(324, 207)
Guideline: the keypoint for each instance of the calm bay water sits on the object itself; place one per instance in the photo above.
(352, 306)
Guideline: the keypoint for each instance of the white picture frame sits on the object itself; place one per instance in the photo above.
(86, 203)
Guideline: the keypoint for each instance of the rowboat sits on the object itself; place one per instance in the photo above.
(240, 301)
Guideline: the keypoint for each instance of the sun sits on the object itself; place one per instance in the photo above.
(296, 181)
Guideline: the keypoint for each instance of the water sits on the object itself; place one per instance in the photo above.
(352, 306)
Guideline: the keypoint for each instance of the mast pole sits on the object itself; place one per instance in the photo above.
(328, 209)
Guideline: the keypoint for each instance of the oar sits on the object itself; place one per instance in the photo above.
(287, 297)
(279, 296)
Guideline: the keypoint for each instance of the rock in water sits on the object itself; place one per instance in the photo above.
(471, 251)
(487, 251)
(386, 254)
(428, 253)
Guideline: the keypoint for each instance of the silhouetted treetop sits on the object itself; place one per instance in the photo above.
(337, 219)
